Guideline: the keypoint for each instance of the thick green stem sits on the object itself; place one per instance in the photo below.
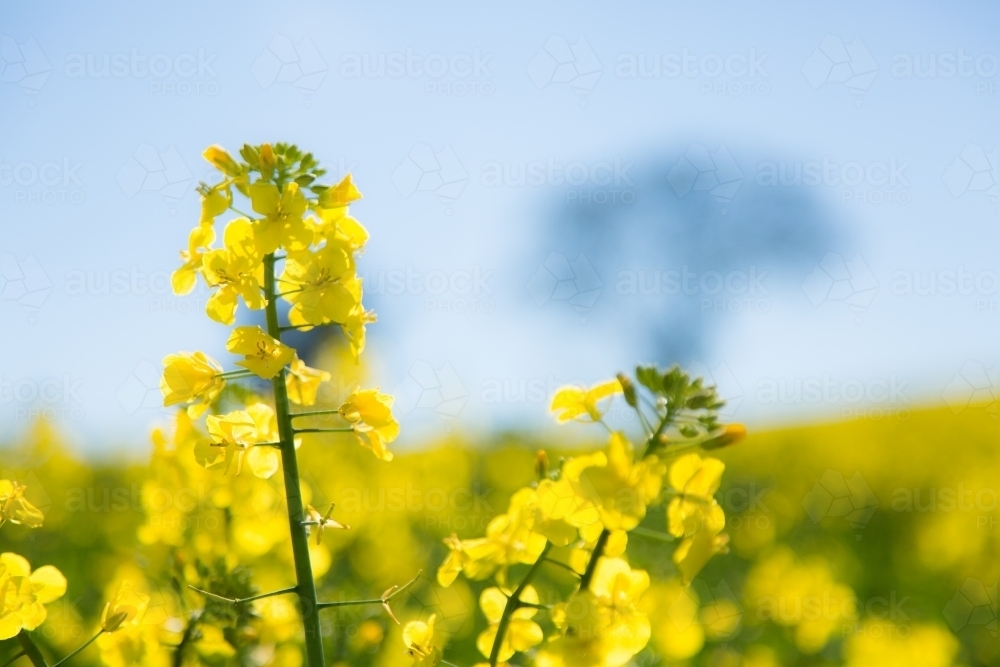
(513, 603)
(305, 586)
(31, 650)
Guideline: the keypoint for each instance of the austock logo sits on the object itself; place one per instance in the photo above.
(701, 170)
(559, 279)
(559, 62)
(850, 499)
(974, 604)
(834, 62)
(24, 282)
(23, 64)
(851, 282)
(285, 62)
(427, 388)
(427, 170)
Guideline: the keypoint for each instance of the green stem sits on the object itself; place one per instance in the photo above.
(323, 430)
(315, 413)
(31, 650)
(588, 574)
(13, 658)
(513, 603)
(243, 600)
(653, 534)
(234, 375)
(306, 587)
(85, 645)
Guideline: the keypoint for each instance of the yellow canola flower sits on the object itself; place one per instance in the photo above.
(199, 242)
(302, 382)
(421, 644)
(694, 514)
(321, 285)
(263, 461)
(510, 539)
(354, 328)
(14, 507)
(283, 223)
(581, 403)
(236, 271)
(370, 413)
(214, 203)
(24, 594)
(603, 626)
(522, 632)
(191, 378)
(339, 195)
(617, 485)
(138, 647)
(125, 609)
(231, 436)
(263, 355)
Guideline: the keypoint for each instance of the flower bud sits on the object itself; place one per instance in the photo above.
(222, 160)
(730, 435)
(541, 465)
(628, 389)
(266, 160)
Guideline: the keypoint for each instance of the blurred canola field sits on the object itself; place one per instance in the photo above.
(858, 543)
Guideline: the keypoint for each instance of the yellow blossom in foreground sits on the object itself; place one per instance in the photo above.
(14, 507)
(522, 632)
(199, 240)
(138, 647)
(354, 328)
(320, 285)
(263, 461)
(282, 224)
(24, 594)
(619, 487)
(231, 436)
(694, 514)
(125, 609)
(603, 626)
(510, 539)
(370, 413)
(582, 403)
(191, 378)
(421, 644)
(303, 382)
(263, 355)
(236, 271)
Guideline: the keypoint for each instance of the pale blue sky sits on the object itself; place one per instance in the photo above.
(471, 96)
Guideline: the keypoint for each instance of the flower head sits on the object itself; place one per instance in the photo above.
(191, 378)
(125, 609)
(522, 632)
(262, 354)
(370, 413)
(14, 507)
(24, 594)
(303, 382)
(581, 403)
(236, 271)
(421, 645)
(199, 241)
(283, 224)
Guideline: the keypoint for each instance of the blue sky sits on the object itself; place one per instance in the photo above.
(678, 127)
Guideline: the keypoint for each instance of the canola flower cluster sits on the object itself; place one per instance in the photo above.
(882, 598)
(578, 516)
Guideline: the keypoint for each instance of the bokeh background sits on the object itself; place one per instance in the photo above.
(796, 200)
